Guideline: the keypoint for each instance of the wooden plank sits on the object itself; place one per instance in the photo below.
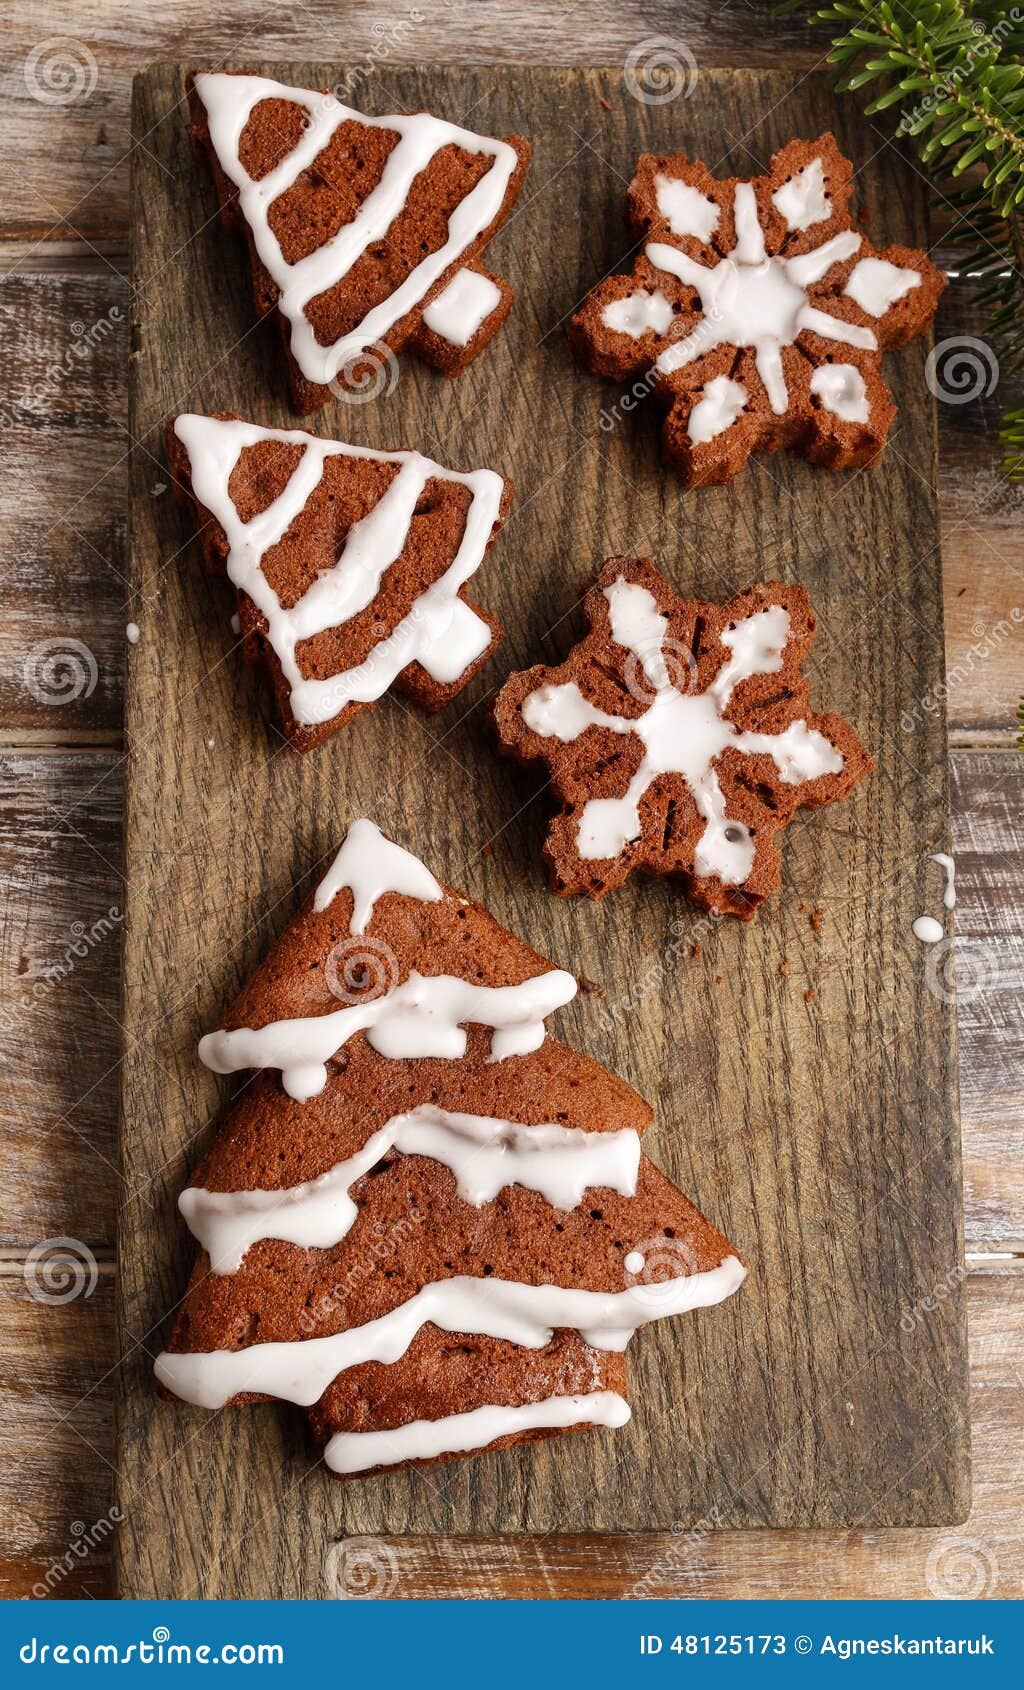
(55, 1494)
(848, 1222)
(63, 497)
(73, 173)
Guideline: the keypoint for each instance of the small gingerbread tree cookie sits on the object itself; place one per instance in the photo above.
(756, 313)
(679, 738)
(426, 1220)
(364, 233)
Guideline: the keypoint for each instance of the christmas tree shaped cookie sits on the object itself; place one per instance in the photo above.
(425, 1220)
(365, 233)
(756, 313)
(679, 738)
(350, 567)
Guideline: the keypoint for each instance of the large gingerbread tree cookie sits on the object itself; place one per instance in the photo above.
(679, 738)
(756, 313)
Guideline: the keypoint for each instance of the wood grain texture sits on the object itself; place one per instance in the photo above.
(821, 1135)
(55, 1487)
(75, 179)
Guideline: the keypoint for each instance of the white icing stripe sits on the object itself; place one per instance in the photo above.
(422, 1017)
(461, 311)
(438, 621)
(455, 1434)
(683, 734)
(749, 299)
(369, 866)
(300, 1371)
(229, 103)
(484, 1154)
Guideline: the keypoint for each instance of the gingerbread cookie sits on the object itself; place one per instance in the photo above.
(756, 313)
(425, 1220)
(679, 738)
(350, 567)
(364, 233)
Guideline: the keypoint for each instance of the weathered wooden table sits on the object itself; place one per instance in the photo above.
(63, 445)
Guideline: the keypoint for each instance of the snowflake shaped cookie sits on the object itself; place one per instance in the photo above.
(756, 313)
(679, 738)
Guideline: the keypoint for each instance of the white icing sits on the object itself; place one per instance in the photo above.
(132, 632)
(638, 314)
(722, 402)
(420, 1440)
(843, 391)
(927, 929)
(749, 299)
(484, 1154)
(463, 308)
(370, 865)
(236, 623)
(440, 631)
(300, 1371)
(229, 102)
(634, 1262)
(802, 201)
(875, 284)
(948, 868)
(686, 210)
(422, 1017)
(683, 734)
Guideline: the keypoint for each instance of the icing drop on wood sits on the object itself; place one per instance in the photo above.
(301, 1370)
(483, 1153)
(420, 1440)
(683, 734)
(440, 632)
(463, 308)
(370, 865)
(948, 867)
(927, 929)
(230, 101)
(422, 1017)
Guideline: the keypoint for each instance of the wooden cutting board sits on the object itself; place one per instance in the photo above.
(803, 1072)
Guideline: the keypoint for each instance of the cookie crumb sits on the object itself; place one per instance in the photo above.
(808, 995)
(817, 917)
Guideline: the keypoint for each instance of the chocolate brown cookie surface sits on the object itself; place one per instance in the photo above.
(426, 1220)
(756, 314)
(679, 738)
(365, 234)
(350, 567)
